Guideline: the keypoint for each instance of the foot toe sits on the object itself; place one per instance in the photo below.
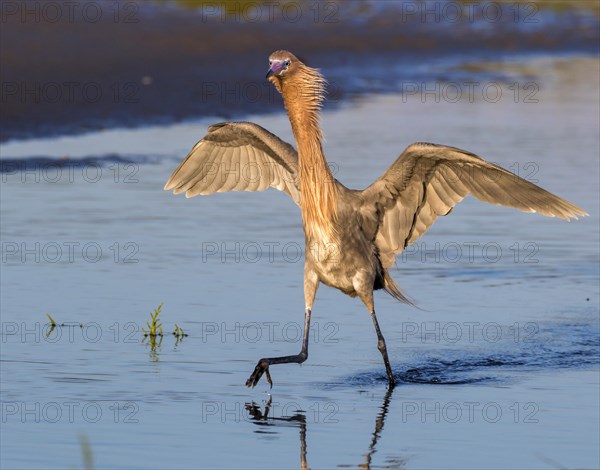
(259, 370)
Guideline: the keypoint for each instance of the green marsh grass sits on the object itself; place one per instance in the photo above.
(154, 325)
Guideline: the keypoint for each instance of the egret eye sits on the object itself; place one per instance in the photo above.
(270, 62)
(287, 62)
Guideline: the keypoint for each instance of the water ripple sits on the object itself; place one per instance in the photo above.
(556, 346)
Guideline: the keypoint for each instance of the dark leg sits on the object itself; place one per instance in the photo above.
(383, 350)
(311, 283)
(263, 365)
(363, 286)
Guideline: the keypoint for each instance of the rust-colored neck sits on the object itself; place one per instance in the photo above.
(303, 95)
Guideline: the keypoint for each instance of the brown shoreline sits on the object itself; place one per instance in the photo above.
(165, 64)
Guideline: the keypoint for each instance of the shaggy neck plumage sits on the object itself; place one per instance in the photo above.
(303, 95)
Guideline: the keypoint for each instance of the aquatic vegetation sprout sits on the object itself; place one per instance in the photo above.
(178, 332)
(154, 325)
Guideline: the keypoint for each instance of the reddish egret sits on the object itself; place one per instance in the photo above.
(351, 236)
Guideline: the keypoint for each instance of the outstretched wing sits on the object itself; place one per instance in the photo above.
(237, 156)
(428, 180)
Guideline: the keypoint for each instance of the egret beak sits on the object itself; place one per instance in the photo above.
(276, 67)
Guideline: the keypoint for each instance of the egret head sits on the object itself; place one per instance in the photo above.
(302, 83)
(281, 65)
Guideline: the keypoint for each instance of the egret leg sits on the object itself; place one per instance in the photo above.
(363, 285)
(383, 350)
(311, 284)
(263, 365)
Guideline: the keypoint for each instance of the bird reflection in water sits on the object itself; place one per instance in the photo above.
(261, 418)
(379, 423)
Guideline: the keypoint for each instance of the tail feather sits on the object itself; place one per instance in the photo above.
(392, 288)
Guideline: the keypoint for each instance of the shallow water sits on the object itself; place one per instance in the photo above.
(499, 369)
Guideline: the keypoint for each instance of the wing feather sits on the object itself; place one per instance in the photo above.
(237, 156)
(428, 180)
